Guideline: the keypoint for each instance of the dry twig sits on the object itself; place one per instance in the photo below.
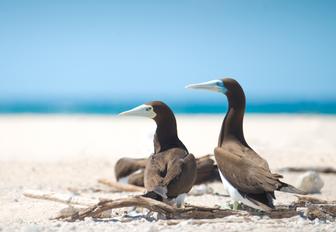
(121, 187)
(327, 170)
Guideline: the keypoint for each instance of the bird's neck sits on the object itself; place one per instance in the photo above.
(166, 136)
(232, 127)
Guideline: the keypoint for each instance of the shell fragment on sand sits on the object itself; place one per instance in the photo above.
(310, 182)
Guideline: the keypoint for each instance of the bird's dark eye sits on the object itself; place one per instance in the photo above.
(147, 109)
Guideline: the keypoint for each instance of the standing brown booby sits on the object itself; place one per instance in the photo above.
(244, 173)
(171, 171)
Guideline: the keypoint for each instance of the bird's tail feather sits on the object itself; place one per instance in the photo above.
(290, 189)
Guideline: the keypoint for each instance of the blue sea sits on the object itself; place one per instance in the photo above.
(188, 107)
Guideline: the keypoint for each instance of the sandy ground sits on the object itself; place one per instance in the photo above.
(60, 152)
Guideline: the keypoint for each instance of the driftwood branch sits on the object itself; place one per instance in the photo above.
(169, 212)
(327, 170)
(98, 207)
(308, 207)
(121, 187)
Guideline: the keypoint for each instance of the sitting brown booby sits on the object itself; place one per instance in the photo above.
(244, 173)
(171, 171)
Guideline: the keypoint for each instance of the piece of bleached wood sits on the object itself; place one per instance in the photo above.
(69, 199)
(327, 170)
(121, 187)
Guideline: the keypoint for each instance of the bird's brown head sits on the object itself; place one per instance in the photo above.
(165, 136)
(233, 88)
(228, 86)
(233, 123)
(156, 110)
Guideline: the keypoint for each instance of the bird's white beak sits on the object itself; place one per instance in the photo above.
(141, 111)
(214, 85)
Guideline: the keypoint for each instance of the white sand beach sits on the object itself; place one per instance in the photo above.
(57, 152)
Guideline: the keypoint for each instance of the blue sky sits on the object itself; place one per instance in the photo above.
(132, 49)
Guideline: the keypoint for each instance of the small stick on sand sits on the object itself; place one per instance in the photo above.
(327, 170)
(69, 199)
(121, 187)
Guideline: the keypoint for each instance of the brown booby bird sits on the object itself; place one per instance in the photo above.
(244, 173)
(127, 166)
(171, 171)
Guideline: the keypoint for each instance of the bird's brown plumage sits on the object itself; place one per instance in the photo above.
(243, 168)
(170, 170)
(174, 169)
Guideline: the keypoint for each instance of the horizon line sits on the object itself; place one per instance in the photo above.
(187, 107)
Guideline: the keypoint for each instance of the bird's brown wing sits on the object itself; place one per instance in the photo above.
(239, 148)
(162, 169)
(258, 160)
(154, 172)
(245, 174)
(181, 181)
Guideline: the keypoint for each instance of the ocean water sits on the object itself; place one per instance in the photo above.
(114, 107)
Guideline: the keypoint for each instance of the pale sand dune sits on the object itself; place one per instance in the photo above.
(57, 152)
